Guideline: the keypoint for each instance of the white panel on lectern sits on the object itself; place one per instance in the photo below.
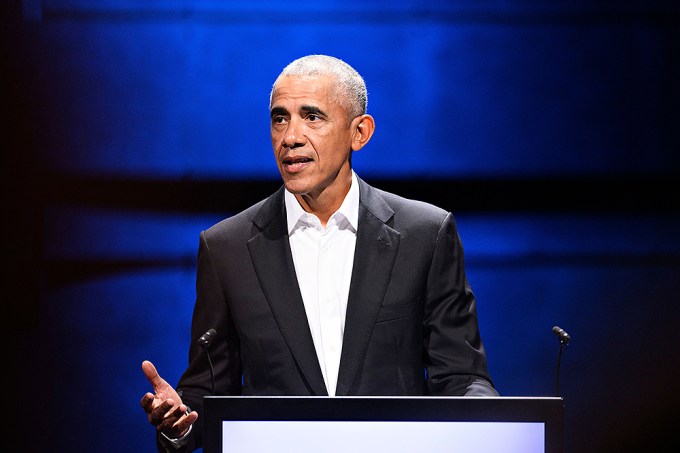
(395, 437)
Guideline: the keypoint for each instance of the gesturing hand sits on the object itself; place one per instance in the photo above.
(164, 406)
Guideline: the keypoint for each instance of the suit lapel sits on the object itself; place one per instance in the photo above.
(270, 252)
(376, 250)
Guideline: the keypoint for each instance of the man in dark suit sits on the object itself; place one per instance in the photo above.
(329, 286)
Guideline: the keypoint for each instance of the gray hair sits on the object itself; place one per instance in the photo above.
(349, 81)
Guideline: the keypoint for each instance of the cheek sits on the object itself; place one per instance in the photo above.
(337, 147)
(275, 142)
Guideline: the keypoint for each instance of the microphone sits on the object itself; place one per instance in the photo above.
(207, 338)
(561, 335)
(204, 342)
(564, 341)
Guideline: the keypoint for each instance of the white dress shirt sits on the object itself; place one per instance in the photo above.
(323, 259)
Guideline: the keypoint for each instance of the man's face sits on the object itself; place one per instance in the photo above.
(311, 135)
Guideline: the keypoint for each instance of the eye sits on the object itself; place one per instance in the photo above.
(278, 119)
(313, 117)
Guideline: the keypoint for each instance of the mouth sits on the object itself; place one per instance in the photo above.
(294, 164)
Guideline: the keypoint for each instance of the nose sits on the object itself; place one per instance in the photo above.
(293, 136)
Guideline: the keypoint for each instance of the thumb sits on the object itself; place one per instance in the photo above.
(152, 375)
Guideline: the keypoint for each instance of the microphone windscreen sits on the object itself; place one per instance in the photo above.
(207, 337)
(561, 334)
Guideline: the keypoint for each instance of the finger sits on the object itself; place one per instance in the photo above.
(184, 423)
(171, 418)
(147, 402)
(180, 426)
(152, 375)
(162, 412)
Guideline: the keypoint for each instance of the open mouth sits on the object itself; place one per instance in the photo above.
(294, 164)
(296, 160)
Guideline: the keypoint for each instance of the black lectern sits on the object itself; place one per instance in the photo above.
(376, 424)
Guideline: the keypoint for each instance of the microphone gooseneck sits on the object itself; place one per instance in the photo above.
(564, 341)
(204, 342)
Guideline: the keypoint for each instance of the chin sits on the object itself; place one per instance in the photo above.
(295, 187)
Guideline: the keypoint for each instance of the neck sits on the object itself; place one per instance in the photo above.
(324, 204)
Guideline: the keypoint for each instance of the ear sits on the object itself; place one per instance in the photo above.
(363, 127)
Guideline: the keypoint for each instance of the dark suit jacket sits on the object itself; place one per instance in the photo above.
(411, 322)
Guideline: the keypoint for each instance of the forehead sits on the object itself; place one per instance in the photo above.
(290, 91)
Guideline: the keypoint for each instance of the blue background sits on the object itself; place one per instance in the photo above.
(550, 129)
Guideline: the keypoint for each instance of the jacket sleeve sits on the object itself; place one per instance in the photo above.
(453, 351)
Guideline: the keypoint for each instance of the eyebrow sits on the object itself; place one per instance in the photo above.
(310, 109)
(276, 111)
(305, 109)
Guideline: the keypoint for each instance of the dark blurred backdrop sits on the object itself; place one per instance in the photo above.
(550, 128)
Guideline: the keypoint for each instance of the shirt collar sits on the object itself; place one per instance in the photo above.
(349, 208)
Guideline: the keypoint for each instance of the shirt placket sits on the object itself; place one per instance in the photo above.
(329, 309)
